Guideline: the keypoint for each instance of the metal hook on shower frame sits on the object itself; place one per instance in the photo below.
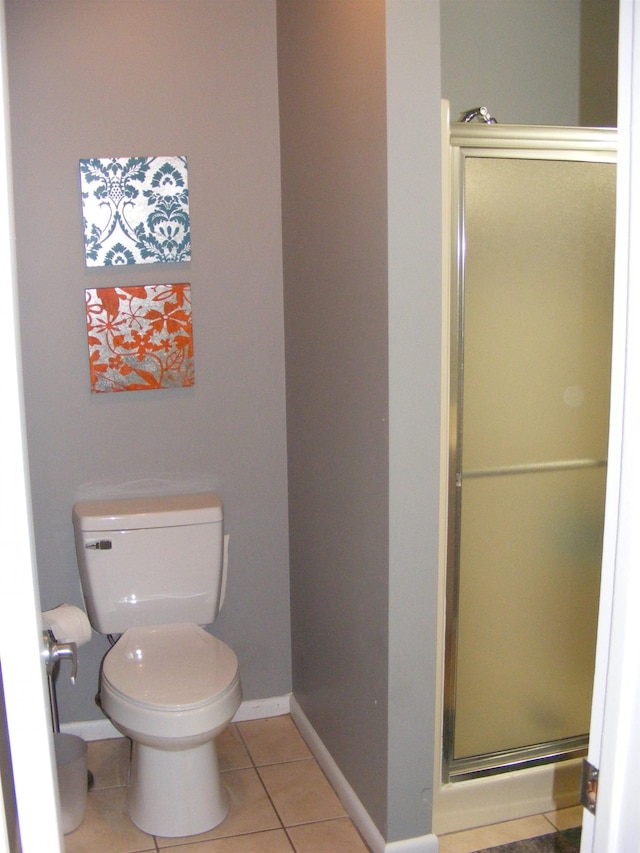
(481, 113)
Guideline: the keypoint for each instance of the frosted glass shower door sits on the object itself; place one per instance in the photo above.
(534, 345)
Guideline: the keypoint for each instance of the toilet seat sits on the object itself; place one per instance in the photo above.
(171, 667)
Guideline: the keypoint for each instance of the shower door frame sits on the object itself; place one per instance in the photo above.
(490, 141)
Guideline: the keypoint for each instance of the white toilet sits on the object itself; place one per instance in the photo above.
(153, 571)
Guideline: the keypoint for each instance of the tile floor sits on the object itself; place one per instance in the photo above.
(281, 802)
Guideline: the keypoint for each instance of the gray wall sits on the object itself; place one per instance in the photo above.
(114, 78)
(519, 58)
(360, 131)
(333, 138)
(599, 63)
(415, 318)
(532, 61)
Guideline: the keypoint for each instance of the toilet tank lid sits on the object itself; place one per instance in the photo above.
(140, 513)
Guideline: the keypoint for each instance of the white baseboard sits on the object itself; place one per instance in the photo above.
(257, 709)
(349, 798)
(252, 709)
(91, 729)
(423, 844)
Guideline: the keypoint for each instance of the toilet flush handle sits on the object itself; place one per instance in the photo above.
(100, 545)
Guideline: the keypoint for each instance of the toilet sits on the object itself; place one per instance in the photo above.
(153, 572)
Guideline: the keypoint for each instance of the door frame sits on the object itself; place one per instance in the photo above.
(614, 746)
(36, 827)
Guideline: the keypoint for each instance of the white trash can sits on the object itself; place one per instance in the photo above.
(73, 778)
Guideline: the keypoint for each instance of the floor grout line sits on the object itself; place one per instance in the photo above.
(554, 828)
(264, 787)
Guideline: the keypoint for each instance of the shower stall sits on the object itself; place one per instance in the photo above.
(531, 299)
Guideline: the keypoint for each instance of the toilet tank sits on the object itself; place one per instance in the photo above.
(150, 561)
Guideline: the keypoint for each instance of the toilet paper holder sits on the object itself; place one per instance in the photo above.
(53, 652)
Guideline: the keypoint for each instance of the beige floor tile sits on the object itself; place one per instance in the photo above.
(327, 836)
(566, 818)
(108, 761)
(273, 740)
(492, 836)
(232, 753)
(250, 810)
(275, 841)
(300, 792)
(107, 828)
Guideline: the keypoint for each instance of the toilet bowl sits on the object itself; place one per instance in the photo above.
(172, 689)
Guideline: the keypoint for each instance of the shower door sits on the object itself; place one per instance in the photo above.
(533, 251)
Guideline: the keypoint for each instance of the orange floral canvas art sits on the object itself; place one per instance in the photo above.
(140, 338)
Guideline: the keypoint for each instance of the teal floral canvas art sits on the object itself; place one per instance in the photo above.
(135, 210)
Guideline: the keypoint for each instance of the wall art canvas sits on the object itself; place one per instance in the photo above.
(140, 338)
(135, 210)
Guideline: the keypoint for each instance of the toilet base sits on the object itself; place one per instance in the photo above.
(173, 793)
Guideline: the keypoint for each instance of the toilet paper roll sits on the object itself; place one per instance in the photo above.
(68, 624)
